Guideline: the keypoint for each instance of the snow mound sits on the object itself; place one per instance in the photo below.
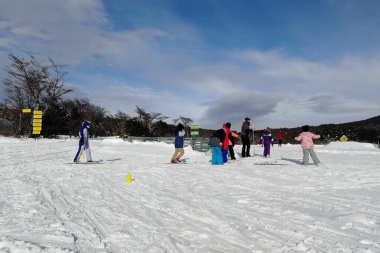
(350, 145)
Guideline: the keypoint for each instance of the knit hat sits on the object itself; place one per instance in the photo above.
(86, 123)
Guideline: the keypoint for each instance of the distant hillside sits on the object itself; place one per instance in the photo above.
(363, 131)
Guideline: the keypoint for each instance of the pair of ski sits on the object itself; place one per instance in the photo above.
(268, 163)
(181, 161)
(91, 162)
(178, 163)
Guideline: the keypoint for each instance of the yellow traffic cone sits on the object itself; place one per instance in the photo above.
(129, 178)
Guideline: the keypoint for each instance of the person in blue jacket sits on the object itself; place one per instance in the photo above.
(178, 144)
(83, 142)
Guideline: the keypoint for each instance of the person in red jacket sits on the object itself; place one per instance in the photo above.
(280, 137)
(226, 127)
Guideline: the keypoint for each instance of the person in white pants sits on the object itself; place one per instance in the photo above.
(83, 142)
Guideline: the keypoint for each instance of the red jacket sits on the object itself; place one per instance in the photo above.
(280, 136)
(227, 138)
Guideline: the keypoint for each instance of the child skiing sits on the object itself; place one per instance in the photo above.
(178, 144)
(83, 142)
(267, 140)
(307, 145)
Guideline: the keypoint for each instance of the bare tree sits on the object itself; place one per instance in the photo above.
(119, 123)
(31, 84)
(185, 121)
(97, 115)
(28, 77)
(16, 99)
(54, 87)
(148, 119)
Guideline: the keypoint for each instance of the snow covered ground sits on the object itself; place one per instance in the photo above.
(48, 204)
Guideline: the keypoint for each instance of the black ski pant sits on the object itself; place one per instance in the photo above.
(246, 146)
(232, 152)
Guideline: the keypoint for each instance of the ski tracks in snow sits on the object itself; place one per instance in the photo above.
(198, 207)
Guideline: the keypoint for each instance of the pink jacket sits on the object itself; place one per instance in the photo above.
(233, 135)
(306, 139)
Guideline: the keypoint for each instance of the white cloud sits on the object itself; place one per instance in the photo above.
(180, 75)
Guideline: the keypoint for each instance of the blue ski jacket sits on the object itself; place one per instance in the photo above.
(83, 134)
(178, 141)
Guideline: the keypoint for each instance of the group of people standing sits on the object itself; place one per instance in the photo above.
(221, 142)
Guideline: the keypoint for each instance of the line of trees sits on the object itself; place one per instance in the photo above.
(40, 85)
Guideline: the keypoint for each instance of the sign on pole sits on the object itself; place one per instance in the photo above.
(194, 130)
(37, 122)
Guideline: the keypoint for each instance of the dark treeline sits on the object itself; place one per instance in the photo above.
(65, 118)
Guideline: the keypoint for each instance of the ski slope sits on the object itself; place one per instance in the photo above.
(48, 204)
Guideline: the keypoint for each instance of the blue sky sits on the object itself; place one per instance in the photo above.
(283, 63)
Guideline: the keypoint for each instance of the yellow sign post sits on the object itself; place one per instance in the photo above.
(25, 110)
(37, 122)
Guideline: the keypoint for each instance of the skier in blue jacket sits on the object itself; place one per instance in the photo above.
(178, 144)
(83, 142)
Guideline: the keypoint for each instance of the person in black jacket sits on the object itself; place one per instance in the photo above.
(216, 142)
(245, 138)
